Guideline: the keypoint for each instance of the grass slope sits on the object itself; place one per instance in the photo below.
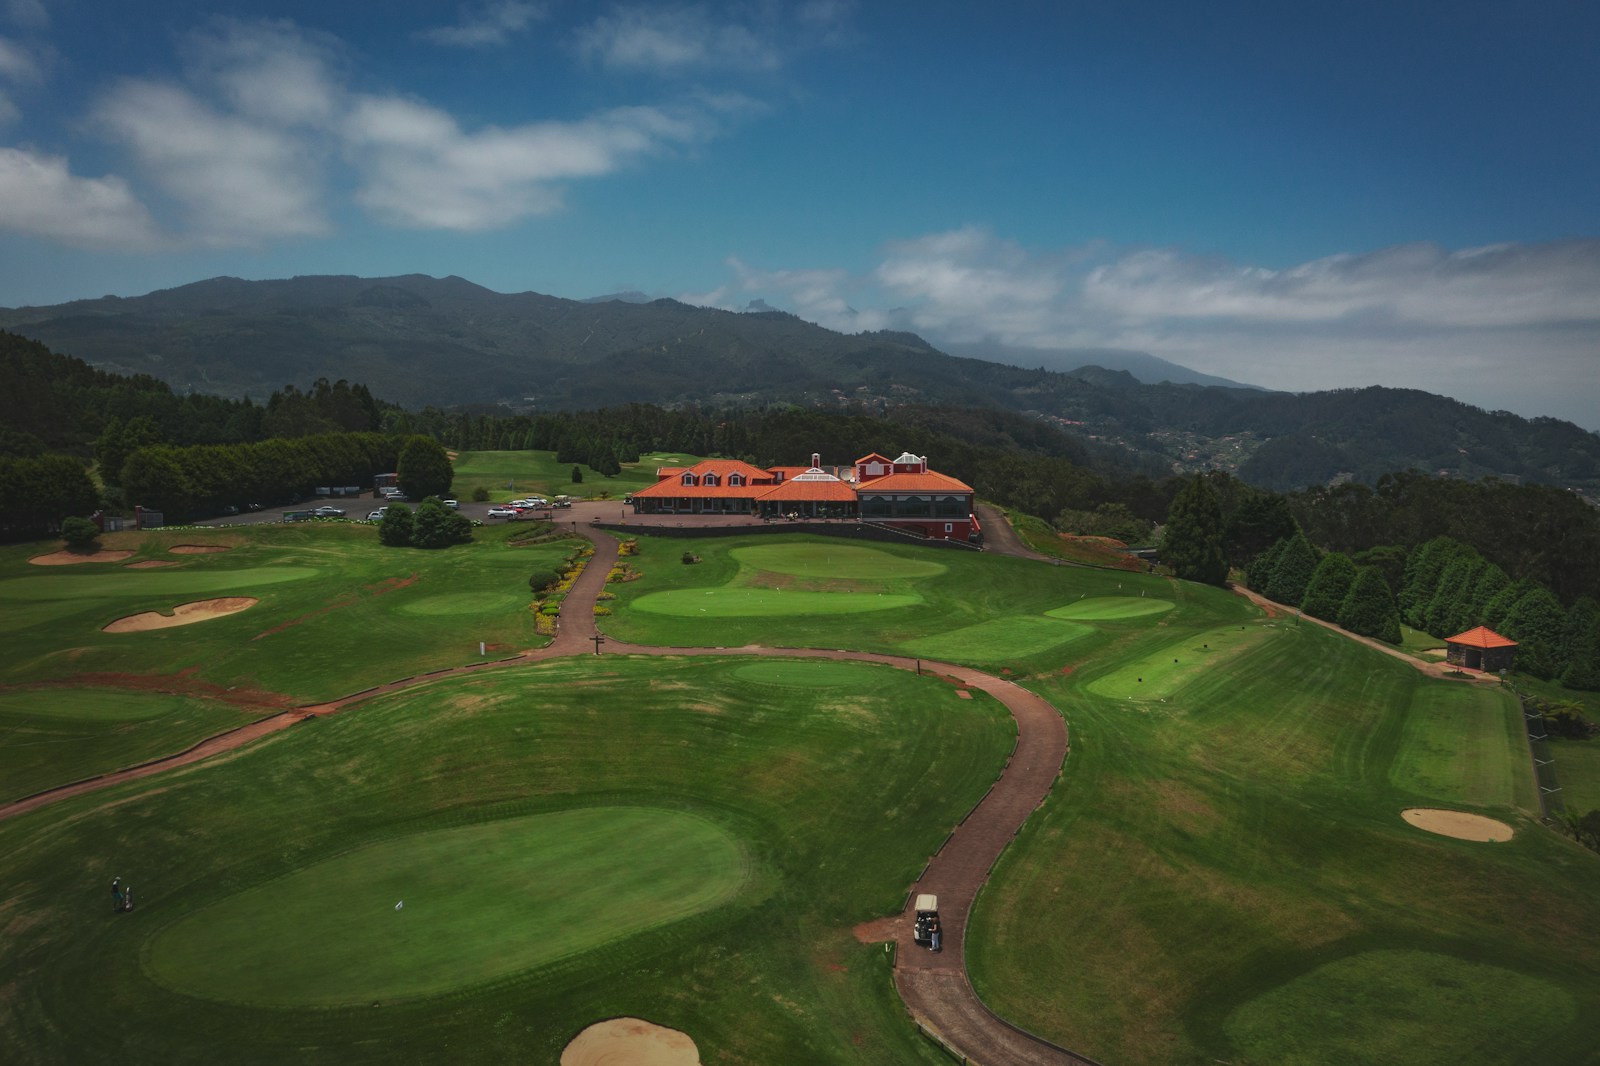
(833, 796)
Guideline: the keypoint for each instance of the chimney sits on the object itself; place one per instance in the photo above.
(816, 460)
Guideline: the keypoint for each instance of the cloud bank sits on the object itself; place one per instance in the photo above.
(1413, 316)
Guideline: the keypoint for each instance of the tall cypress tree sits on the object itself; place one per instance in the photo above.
(1192, 542)
(1330, 584)
(1296, 563)
(1538, 625)
(1369, 609)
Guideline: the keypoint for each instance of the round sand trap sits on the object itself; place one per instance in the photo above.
(1457, 824)
(182, 615)
(630, 1042)
(199, 549)
(65, 558)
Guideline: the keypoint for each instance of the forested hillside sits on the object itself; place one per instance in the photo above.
(417, 341)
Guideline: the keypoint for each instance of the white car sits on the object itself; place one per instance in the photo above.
(376, 516)
(503, 512)
(328, 512)
(454, 505)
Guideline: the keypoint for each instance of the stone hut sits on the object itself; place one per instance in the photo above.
(1481, 649)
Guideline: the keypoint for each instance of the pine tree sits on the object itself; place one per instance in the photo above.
(1424, 567)
(424, 469)
(1261, 569)
(1369, 609)
(1455, 586)
(1583, 660)
(1296, 563)
(1192, 542)
(1537, 623)
(1330, 584)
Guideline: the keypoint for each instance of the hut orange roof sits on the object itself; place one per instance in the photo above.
(1481, 637)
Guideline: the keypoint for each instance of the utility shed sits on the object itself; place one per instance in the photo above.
(1481, 649)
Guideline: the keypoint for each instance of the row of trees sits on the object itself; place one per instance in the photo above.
(433, 525)
(1450, 587)
(186, 481)
(1332, 588)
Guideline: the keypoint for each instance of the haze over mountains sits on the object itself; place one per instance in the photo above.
(417, 340)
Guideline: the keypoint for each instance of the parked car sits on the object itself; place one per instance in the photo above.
(503, 512)
(454, 505)
(328, 512)
(376, 516)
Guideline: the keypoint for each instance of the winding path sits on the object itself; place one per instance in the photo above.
(934, 987)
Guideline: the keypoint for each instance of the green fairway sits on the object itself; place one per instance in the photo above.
(1401, 1006)
(573, 841)
(1464, 744)
(53, 735)
(337, 610)
(834, 559)
(510, 474)
(756, 602)
(147, 585)
(805, 673)
(1001, 639)
(1112, 608)
(1578, 770)
(435, 911)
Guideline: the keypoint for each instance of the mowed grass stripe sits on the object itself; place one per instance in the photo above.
(1462, 744)
(478, 902)
(1001, 639)
(759, 602)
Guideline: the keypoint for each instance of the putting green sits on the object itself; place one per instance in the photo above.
(759, 602)
(162, 583)
(806, 673)
(847, 561)
(480, 902)
(1003, 638)
(1112, 608)
(1400, 1006)
(480, 603)
(85, 704)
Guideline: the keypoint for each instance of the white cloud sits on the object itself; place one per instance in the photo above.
(41, 197)
(272, 72)
(237, 181)
(677, 39)
(421, 170)
(18, 64)
(489, 26)
(1498, 285)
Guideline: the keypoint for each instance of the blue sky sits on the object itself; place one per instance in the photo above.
(1303, 196)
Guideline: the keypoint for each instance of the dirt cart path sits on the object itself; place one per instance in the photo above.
(934, 987)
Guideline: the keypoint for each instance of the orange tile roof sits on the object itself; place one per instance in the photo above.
(929, 482)
(1481, 637)
(673, 488)
(811, 490)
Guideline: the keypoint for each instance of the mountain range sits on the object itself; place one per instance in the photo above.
(417, 340)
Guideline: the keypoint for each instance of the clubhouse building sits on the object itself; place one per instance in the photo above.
(899, 493)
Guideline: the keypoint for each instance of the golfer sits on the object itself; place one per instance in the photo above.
(116, 895)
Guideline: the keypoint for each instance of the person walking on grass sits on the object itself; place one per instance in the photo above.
(116, 895)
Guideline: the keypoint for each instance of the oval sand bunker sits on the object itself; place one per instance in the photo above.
(182, 615)
(630, 1042)
(1457, 824)
(66, 558)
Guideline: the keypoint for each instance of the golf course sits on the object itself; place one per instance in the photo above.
(438, 836)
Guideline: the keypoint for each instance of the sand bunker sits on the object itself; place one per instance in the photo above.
(1457, 824)
(199, 549)
(182, 615)
(66, 558)
(630, 1042)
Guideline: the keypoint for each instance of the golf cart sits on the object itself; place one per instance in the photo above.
(927, 926)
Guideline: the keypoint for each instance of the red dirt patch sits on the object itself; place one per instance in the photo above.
(392, 583)
(180, 684)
